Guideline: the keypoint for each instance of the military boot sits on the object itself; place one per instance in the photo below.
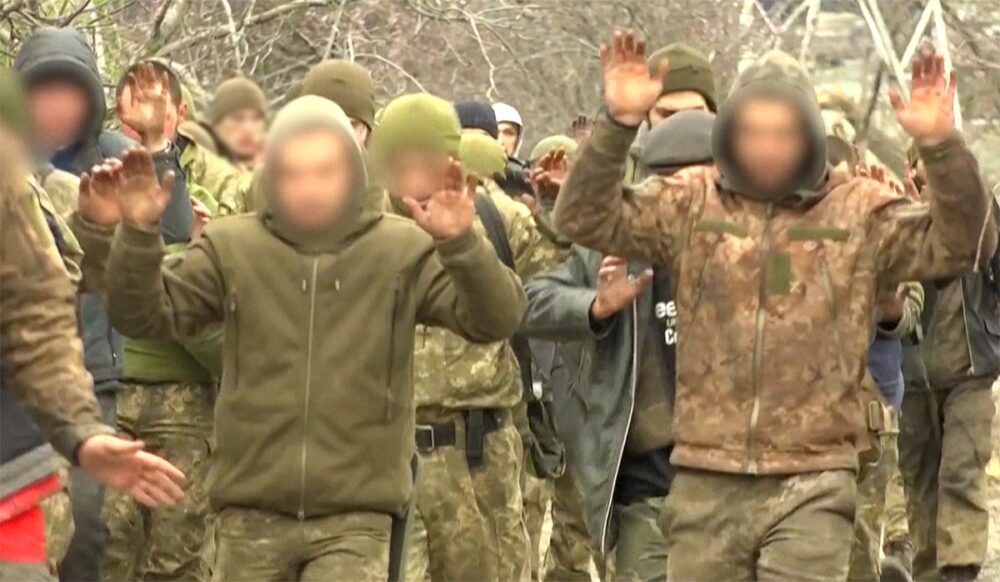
(959, 573)
(897, 565)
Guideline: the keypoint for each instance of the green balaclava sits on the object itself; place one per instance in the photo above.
(236, 94)
(13, 103)
(688, 70)
(553, 142)
(345, 83)
(482, 155)
(415, 122)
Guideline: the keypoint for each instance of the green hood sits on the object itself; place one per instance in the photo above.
(482, 155)
(550, 143)
(774, 74)
(420, 122)
(308, 114)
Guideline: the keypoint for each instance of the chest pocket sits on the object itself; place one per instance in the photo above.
(723, 253)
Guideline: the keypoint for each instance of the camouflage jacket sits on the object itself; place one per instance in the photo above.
(229, 187)
(41, 349)
(451, 373)
(775, 303)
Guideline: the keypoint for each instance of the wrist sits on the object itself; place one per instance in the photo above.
(599, 311)
(155, 143)
(629, 120)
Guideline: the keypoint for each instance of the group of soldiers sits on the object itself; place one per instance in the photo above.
(342, 342)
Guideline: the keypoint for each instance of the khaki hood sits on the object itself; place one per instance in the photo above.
(361, 210)
(774, 74)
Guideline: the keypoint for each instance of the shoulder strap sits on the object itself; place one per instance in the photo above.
(489, 214)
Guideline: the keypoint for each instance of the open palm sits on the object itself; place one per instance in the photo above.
(929, 116)
(141, 196)
(450, 211)
(630, 89)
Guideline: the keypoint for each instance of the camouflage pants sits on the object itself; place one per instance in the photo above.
(58, 520)
(775, 527)
(175, 421)
(945, 444)
(473, 519)
(878, 464)
(897, 529)
(264, 546)
(537, 494)
(569, 556)
(640, 552)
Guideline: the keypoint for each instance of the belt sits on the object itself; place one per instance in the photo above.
(434, 436)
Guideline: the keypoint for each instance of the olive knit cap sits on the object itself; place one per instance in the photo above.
(688, 69)
(345, 83)
(553, 142)
(236, 94)
(482, 155)
(416, 122)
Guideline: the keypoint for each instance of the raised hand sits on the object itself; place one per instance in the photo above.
(143, 105)
(141, 196)
(615, 288)
(123, 464)
(581, 129)
(449, 211)
(630, 88)
(879, 174)
(929, 116)
(98, 200)
(548, 177)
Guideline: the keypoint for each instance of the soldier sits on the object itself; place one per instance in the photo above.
(468, 494)
(776, 263)
(510, 134)
(624, 398)
(349, 85)
(320, 256)
(945, 439)
(43, 380)
(238, 115)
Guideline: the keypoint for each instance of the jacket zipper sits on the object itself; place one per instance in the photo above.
(758, 345)
(965, 326)
(628, 425)
(392, 351)
(305, 406)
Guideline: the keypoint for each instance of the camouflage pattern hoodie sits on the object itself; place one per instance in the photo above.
(775, 295)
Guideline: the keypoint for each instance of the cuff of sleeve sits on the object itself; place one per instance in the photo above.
(67, 441)
(578, 303)
(457, 250)
(891, 330)
(83, 225)
(616, 135)
(137, 236)
(943, 150)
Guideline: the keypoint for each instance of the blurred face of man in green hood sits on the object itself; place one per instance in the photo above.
(417, 174)
(770, 144)
(313, 177)
(59, 109)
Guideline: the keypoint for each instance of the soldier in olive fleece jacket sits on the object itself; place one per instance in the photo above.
(315, 416)
(775, 291)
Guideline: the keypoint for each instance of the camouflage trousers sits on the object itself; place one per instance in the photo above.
(59, 524)
(879, 467)
(570, 553)
(260, 545)
(537, 495)
(773, 527)
(473, 519)
(640, 550)
(945, 444)
(175, 421)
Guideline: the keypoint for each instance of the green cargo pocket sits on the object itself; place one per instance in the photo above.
(778, 270)
(801, 233)
(720, 227)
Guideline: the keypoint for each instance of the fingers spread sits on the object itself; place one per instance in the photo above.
(896, 100)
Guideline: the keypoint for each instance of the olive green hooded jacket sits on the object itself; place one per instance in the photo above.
(315, 415)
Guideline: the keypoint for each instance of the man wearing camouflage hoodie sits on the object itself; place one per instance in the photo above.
(468, 493)
(777, 262)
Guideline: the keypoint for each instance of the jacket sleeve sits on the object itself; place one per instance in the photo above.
(178, 217)
(559, 302)
(533, 252)
(913, 308)
(463, 286)
(941, 238)
(596, 210)
(42, 352)
(149, 300)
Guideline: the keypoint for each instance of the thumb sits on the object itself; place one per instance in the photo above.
(643, 279)
(118, 446)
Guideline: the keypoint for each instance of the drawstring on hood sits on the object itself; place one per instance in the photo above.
(775, 74)
(306, 114)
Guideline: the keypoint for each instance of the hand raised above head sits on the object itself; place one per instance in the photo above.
(929, 116)
(630, 88)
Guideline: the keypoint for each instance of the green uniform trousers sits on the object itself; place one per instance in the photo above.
(537, 495)
(175, 422)
(945, 444)
(570, 554)
(640, 550)
(773, 527)
(469, 524)
(878, 465)
(59, 525)
(264, 546)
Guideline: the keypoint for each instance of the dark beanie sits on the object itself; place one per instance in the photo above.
(235, 94)
(688, 70)
(345, 83)
(683, 139)
(477, 115)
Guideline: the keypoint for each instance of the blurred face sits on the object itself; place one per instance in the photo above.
(509, 134)
(242, 132)
(417, 175)
(59, 109)
(676, 102)
(175, 113)
(313, 177)
(360, 131)
(769, 143)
